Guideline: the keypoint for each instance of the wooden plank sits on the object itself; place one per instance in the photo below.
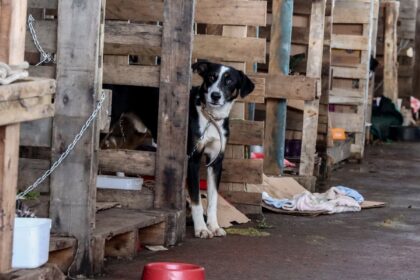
(16, 113)
(108, 222)
(175, 84)
(350, 122)
(72, 205)
(233, 171)
(43, 4)
(134, 10)
(46, 32)
(207, 11)
(342, 92)
(139, 200)
(244, 132)
(31, 87)
(346, 100)
(134, 75)
(123, 38)
(314, 70)
(275, 121)
(349, 73)
(349, 42)
(390, 53)
(221, 12)
(60, 243)
(9, 151)
(47, 72)
(291, 87)
(228, 48)
(131, 162)
(351, 15)
(30, 170)
(12, 49)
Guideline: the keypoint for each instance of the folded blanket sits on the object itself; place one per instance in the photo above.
(335, 200)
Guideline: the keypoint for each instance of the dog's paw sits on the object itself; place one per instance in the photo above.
(219, 232)
(203, 233)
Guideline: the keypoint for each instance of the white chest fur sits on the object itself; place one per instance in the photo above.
(211, 141)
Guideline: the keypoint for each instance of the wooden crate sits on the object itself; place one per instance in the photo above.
(351, 50)
(404, 26)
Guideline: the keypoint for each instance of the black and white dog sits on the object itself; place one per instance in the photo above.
(210, 106)
(208, 129)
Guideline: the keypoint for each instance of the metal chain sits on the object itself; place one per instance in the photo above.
(67, 152)
(45, 57)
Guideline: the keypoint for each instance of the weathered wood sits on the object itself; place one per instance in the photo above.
(12, 46)
(122, 245)
(9, 151)
(350, 122)
(175, 82)
(43, 4)
(153, 235)
(314, 70)
(46, 32)
(349, 42)
(72, 206)
(123, 38)
(207, 11)
(30, 170)
(229, 48)
(291, 87)
(234, 12)
(131, 162)
(244, 132)
(390, 53)
(139, 200)
(350, 73)
(275, 124)
(233, 171)
(133, 75)
(108, 222)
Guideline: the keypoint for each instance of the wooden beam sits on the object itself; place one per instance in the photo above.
(12, 49)
(349, 42)
(128, 161)
(244, 132)
(314, 70)
(233, 171)
(175, 83)
(291, 87)
(390, 52)
(275, 125)
(207, 11)
(235, 12)
(133, 75)
(72, 205)
(229, 48)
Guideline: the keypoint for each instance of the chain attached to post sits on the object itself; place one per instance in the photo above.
(45, 56)
(68, 150)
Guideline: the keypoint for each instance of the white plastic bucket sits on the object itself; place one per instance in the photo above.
(31, 241)
(119, 182)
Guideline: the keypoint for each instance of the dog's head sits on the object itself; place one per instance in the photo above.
(221, 84)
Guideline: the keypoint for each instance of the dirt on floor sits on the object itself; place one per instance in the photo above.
(381, 243)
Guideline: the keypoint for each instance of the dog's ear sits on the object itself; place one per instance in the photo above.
(246, 86)
(201, 67)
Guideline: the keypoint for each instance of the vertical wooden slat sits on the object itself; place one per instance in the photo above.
(175, 81)
(390, 51)
(12, 48)
(275, 123)
(73, 185)
(313, 70)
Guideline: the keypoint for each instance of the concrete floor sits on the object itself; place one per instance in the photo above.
(373, 244)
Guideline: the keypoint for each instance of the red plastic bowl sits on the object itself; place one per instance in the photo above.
(173, 271)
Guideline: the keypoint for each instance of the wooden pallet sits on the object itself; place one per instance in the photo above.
(119, 233)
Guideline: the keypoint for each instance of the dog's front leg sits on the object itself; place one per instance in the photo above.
(193, 180)
(214, 173)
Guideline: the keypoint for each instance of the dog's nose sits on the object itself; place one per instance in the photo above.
(215, 96)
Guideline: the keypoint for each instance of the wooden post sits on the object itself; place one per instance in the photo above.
(390, 51)
(313, 70)
(73, 185)
(175, 81)
(275, 124)
(12, 49)
(416, 81)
